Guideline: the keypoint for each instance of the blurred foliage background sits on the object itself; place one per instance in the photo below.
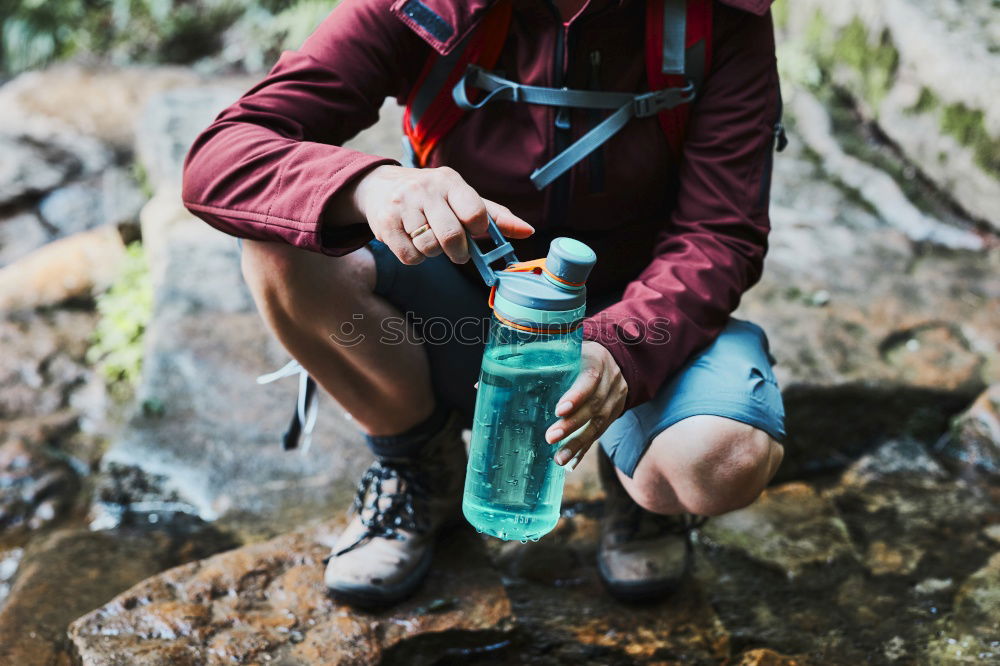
(244, 33)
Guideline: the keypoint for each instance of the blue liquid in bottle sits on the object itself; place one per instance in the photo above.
(513, 487)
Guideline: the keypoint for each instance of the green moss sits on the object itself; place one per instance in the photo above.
(875, 61)
(125, 309)
(969, 128)
(142, 178)
(965, 125)
(926, 103)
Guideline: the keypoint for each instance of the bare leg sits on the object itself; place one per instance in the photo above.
(307, 299)
(706, 465)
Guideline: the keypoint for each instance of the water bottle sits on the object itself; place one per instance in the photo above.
(513, 487)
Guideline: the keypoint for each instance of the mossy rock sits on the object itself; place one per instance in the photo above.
(875, 60)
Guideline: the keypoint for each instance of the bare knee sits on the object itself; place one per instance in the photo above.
(706, 465)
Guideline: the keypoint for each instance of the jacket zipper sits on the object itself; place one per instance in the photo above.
(777, 144)
(596, 157)
(562, 135)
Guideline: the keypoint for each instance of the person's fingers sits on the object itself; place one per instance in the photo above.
(578, 445)
(390, 231)
(468, 207)
(596, 410)
(566, 426)
(586, 383)
(510, 225)
(425, 242)
(449, 231)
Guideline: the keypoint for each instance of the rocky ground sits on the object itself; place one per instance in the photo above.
(170, 528)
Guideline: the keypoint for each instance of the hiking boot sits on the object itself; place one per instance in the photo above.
(400, 507)
(642, 555)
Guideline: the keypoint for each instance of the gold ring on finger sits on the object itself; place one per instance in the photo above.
(419, 230)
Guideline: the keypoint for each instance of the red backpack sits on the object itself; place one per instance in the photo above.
(678, 53)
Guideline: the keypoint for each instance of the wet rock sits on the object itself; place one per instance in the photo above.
(905, 459)
(765, 657)
(883, 558)
(790, 527)
(50, 400)
(566, 617)
(19, 235)
(933, 98)
(902, 506)
(42, 363)
(683, 624)
(954, 649)
(973, 444)
(267, 602)
(546, 561)
(71, 268)
(113, 198)
(71, 572)
(933, 585)
(124, 494)
(35, 487)
(977, 604)
(9, 561)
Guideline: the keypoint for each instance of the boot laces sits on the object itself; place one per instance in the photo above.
(389, 513)
(637, 523)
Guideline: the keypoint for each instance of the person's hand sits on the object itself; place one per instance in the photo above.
(593, 402)
(398, 201)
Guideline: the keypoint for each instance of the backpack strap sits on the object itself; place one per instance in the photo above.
(430, 112)
(626, 106)
(678, 52)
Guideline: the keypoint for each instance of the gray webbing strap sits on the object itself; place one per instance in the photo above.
(586, 144)
(499, 88)
(641, 106)
(626, 105)
(674, 35)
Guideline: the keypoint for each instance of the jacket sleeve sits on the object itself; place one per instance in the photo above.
(270, 163)
(712, 248)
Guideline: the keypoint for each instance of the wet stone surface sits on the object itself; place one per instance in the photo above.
(43, 453)
(35, 487)
(972, 446)
(917, 535)
(69, 572)
(267, 603)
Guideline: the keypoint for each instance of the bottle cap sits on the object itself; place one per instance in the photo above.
(569, 260)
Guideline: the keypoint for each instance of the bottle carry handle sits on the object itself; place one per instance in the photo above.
(501, 250)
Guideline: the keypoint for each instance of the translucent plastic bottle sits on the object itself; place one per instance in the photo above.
(513, 487)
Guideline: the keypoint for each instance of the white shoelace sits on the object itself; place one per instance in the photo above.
(306, 409)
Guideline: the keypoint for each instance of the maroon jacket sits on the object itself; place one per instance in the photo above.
(683, 241)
